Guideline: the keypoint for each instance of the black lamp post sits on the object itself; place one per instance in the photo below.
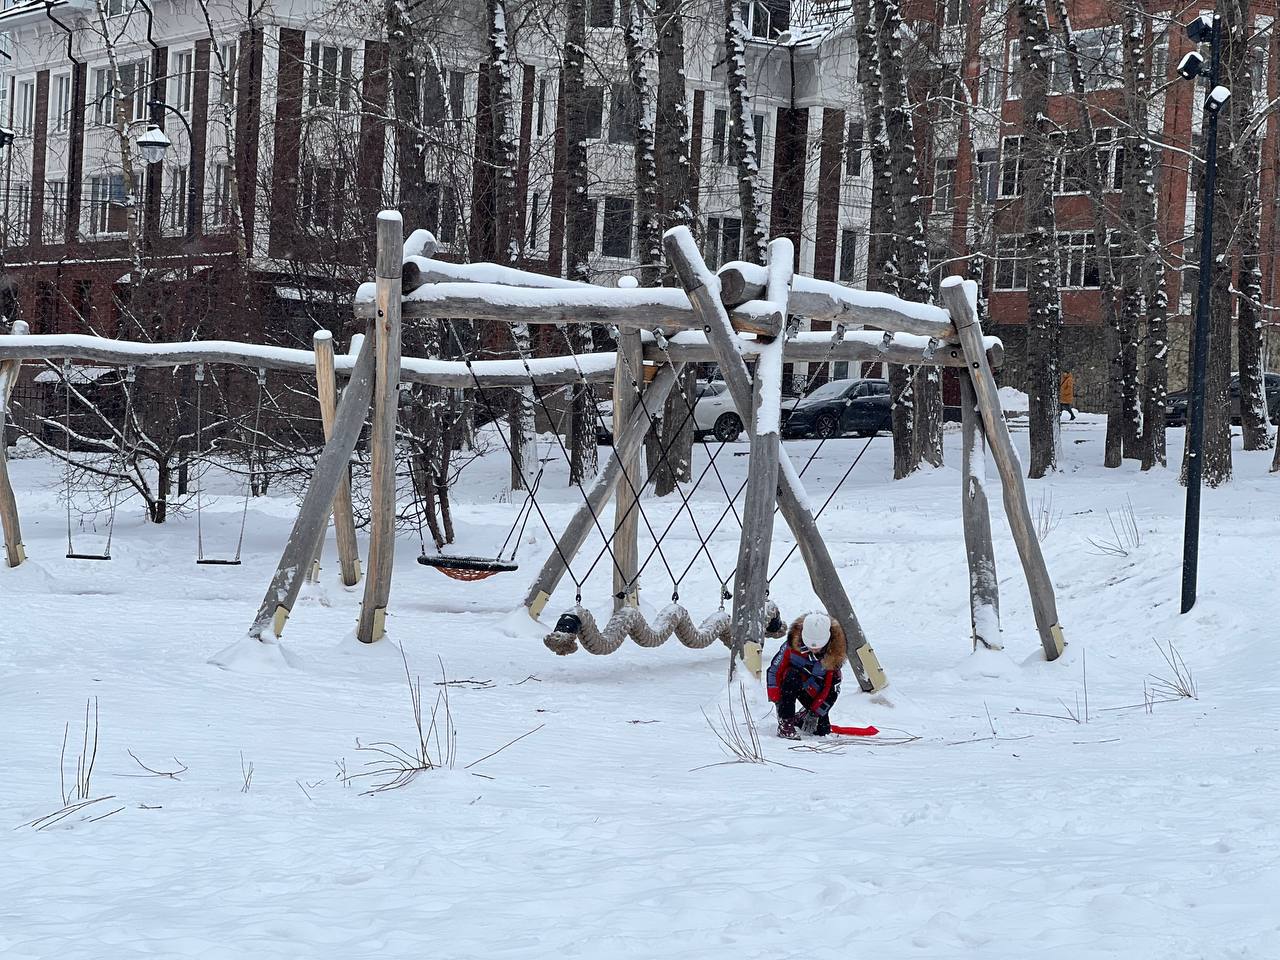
(159, 106)
(1204, 28)
(6, 137)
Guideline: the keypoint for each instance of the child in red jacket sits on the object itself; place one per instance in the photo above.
(806, 670)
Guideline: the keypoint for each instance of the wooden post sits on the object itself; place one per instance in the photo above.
(15, 553)
(382, 476)
(626, 443)
(751, 581)
(792, 503)
(959, 296)
(344, 525)
(313, 515)
(627, 381)
(984, 588)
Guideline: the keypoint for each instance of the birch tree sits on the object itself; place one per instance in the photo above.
(743, 147)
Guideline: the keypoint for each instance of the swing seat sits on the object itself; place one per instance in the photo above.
(88, 556)
(210, 562)
(467, 568)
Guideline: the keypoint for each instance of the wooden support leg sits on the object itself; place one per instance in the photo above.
(313, 515)
(344, 524)
(792, 502)
(984, 588)
(627, 380)
(382, 540)
(751, 581)
(627, 442)
(959, 297)
(14, 551)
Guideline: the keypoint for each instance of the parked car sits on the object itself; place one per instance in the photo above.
(714, 415)
(839, 407)
(1175, 404)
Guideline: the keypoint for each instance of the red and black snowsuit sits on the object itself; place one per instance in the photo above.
(812, 680)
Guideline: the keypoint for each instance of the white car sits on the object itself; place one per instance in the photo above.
(713, 414)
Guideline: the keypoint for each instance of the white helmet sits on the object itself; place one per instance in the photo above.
(816, 631)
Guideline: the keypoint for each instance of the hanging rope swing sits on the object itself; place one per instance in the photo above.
(123, 461)
(234, 561)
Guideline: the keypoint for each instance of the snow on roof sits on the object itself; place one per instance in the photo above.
(79, 374)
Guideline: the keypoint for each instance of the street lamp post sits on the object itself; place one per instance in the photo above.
(6, 137)
(159, 107)
(1204, 28)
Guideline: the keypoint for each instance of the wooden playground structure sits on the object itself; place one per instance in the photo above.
(740, 318)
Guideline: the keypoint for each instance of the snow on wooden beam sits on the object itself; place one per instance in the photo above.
(824, 300)
(817, 347)
(644, 308)
(544, 371)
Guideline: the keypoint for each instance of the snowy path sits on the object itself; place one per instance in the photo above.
(1135, 835)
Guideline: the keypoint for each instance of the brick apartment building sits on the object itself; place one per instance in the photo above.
(308, 145)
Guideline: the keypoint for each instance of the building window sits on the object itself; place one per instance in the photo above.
(600, 13)
(988, 162)
(55, 201)
(848, 256)
(116, 8)
(853, 148)
(1011, 167)
(20, 222)
(622, 115)
(322, 196)
(593, 102)
(1078, 259)
(181, 80)
(616, 237)
(220, 199)
(448, 216)
(952, 98)
(107, 212)
(26, 108)
(437, 108)
(944, 184)
(990, 88)
(723, 241)
(956, 12)
(134, 90)
(544, 103)
(330, 84)
(757, 127)
(1013, 70)
(178, 197)
(535, 218)
(593, 210)
(1100, 58)
(1110, 149)
(757, 18)
(457, 96)
(102, 104)
(719, 136)
(1011, 262)
(60, 114)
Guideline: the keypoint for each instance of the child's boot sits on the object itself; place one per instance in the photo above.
(787, 730)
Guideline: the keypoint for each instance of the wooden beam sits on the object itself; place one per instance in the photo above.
(792, 503)
(546, 371)
(590, 514)
(648, 308)
(825, 300)
(15, 553)
(959, 297)
(764, 422)
(810, 349)
(984, 587)
(313, 514)
(344, 526)
(627, 381)
(371, 625)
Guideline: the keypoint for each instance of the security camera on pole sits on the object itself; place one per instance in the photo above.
(1205, 28)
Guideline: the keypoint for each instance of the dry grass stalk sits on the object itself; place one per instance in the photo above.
(77, 798)
(246, 773)
(1126, 537)
(742, 746)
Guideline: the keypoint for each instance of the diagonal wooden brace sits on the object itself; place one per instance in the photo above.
(701, 285)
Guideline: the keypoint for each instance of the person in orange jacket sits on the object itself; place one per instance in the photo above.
(1067, 394)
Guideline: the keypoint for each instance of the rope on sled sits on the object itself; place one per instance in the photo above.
(579, 626)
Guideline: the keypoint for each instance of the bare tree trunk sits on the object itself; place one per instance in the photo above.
(578, 226)
(1253, 403)
(648, 227)
(677, 206)
(909, 266)
(1044, 305)
(120, 127)
(1140, 205)
(881, 263)
(742, 136)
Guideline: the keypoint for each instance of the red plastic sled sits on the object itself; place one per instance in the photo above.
(855, 731)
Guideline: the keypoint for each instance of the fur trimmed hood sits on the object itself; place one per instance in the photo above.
(833, 654)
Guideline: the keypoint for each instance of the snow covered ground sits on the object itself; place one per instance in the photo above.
(996, 834)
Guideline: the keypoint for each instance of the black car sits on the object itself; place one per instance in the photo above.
(839, 407)
(1175, 404)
